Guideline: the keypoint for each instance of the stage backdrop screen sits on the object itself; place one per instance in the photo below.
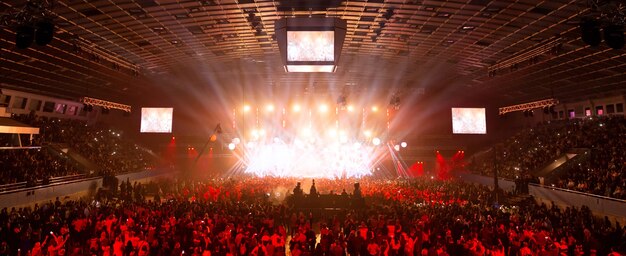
(469, 121)
(310, 45)
(156, 120)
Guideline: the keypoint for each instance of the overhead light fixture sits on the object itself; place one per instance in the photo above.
(590, 30)
(24, 36)
(45, 32)
(388, 14)
(310, 44)
(614, 36)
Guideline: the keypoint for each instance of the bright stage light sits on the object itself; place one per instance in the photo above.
(376, 141)
(305, 158)
(236, 141)
(350, 108)
(231, 146)
(246, 108)
(396, 147)
(403, 144)
(374, 109)
(343, 139)
(323, 108)
(367, 133)
(332, 133)
(269, 108)
(306, 132)
(296, 108)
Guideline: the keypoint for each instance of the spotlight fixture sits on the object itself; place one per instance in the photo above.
(590, 30)
(388, 14)
(24, 36)
(45, 32)
(614, 36)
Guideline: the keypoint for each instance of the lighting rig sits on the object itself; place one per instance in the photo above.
(33, 22)
(90, 102)
(547, 103)
(608, 15)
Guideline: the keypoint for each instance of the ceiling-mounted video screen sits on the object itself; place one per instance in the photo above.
(310, 45)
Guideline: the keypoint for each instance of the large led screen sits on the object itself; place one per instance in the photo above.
(156, 120)
(310, 45)
(469, 121)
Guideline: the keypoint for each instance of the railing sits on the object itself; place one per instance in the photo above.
(600, 204)
(577, 192)
(19, 186)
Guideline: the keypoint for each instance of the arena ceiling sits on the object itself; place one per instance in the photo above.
(119, 48)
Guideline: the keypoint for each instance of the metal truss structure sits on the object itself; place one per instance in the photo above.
(105, 104)
(529, 106)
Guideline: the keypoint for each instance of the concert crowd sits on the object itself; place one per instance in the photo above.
(250, 216)
(604, 138)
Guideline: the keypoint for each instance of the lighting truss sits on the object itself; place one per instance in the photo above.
(529, 106)
(105, 104)
(32, 11)
(526, 55)
(609, 11)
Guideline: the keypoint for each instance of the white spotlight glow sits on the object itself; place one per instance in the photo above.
(296, 108)
(269, 108)
(376, 141)
(350, 108)
(332, 133)
(367, 133)
(246, 108)
(374, 109)
(306, 132)
(323, 108)
(403, 144)
(231, 146)
(236, 141)
(396, 147)
(343, 139)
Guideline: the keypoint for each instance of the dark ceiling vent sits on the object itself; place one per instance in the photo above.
(196, 30)
(91, 12)
(142, 43)
(482, 43)
(147, 3)
(480, 2)
(208, 3)
(541, 10)
(367, 18)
